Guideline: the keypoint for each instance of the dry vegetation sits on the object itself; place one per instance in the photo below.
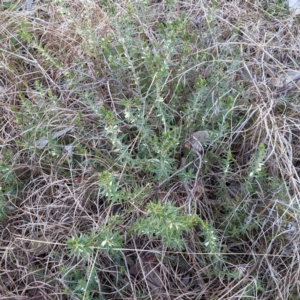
(102, 193)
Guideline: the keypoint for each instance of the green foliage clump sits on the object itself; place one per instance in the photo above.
(100, 99)
(84, 245)
(166, 222)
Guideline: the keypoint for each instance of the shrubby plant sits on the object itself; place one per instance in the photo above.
(166, 222)
(98, 186)
(105, 240)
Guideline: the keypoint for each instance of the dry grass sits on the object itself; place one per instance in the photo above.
(54, 78)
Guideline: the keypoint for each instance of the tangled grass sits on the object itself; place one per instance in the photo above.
(101, 198)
